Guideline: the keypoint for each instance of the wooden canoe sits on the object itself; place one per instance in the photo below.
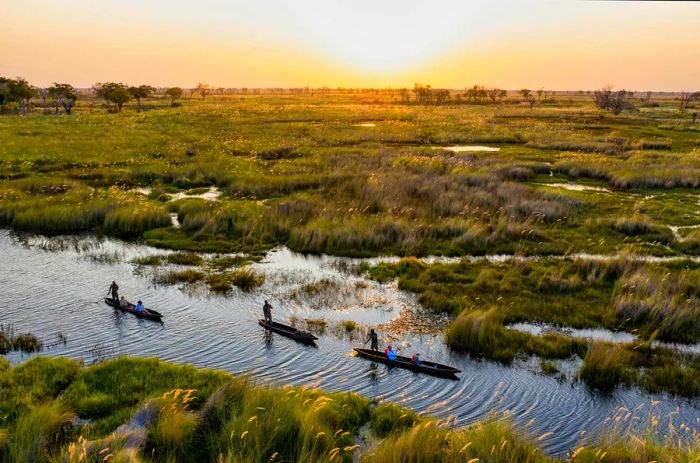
(431, 368)
(289, 331)
(149, 314)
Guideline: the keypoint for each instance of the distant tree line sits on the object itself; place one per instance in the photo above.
(62, 97)
(477, 94)
(17, 94)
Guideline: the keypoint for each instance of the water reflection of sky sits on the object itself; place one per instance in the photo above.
(51, 287)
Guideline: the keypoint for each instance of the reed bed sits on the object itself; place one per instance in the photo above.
(203, 415)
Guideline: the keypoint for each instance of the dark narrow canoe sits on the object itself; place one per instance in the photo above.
(147, 313)
(289, 331)
(431, 368)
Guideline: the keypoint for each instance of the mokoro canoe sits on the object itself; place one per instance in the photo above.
(150, 314)
(425, 366)
(289, 331)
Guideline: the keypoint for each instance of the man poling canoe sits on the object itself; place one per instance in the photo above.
(267, 312)
(372, 336)
(114, 289)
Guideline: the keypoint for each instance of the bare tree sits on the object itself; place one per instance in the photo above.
(615, 102)
(497, 94)
(203, 89)
(687, 98)
(477, 92)
(531, 100)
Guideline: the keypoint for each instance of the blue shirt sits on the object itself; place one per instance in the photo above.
(391, 354)
(139, 307)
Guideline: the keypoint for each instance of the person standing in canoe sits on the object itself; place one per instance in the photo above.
(114, 289)
(267, 312)
(374, 338)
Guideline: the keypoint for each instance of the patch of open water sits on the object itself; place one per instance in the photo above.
(597, 334)
(51, 286)
(468, 148)
(577, 187)
(212, 194)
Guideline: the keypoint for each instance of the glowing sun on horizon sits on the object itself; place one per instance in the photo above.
(384, 37)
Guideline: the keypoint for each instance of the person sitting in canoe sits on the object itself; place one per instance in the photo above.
(267, 312)
(416, 358)
(123, 303)
(391, 353)
(374, 338)
(139, 307)
(114, 289)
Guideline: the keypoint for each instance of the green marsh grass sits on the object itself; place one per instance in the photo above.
(389, 418)
(39, 433)
(185, 258)
(349, 325)
(317, 183)
(247, 279)
(494, 441)
(181, 276)
(654, 300)
(206, 415)
(607, 365)
(109, 392)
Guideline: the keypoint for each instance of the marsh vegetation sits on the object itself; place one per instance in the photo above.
(367, 174)
(54, 410)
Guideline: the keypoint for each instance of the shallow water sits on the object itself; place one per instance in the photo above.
(586, 333)
(467, 148)
(51, 286)
(212, 194)
(577, 187)
(597, 334)
(675, 229)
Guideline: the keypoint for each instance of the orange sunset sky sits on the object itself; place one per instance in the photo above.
(284, 43)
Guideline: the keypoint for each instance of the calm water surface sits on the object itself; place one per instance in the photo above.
(49, 286)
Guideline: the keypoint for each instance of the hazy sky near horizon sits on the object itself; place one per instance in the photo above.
(556, 44)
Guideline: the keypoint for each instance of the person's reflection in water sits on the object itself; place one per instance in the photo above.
(373, 372)
(268, 338)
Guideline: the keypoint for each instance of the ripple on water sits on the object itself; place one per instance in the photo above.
(48, 292)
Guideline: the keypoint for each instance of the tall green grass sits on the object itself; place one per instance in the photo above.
(39, 433)
(492, 441)
(109, 392)
(208, 416)
(31, 383)
(607, 365)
